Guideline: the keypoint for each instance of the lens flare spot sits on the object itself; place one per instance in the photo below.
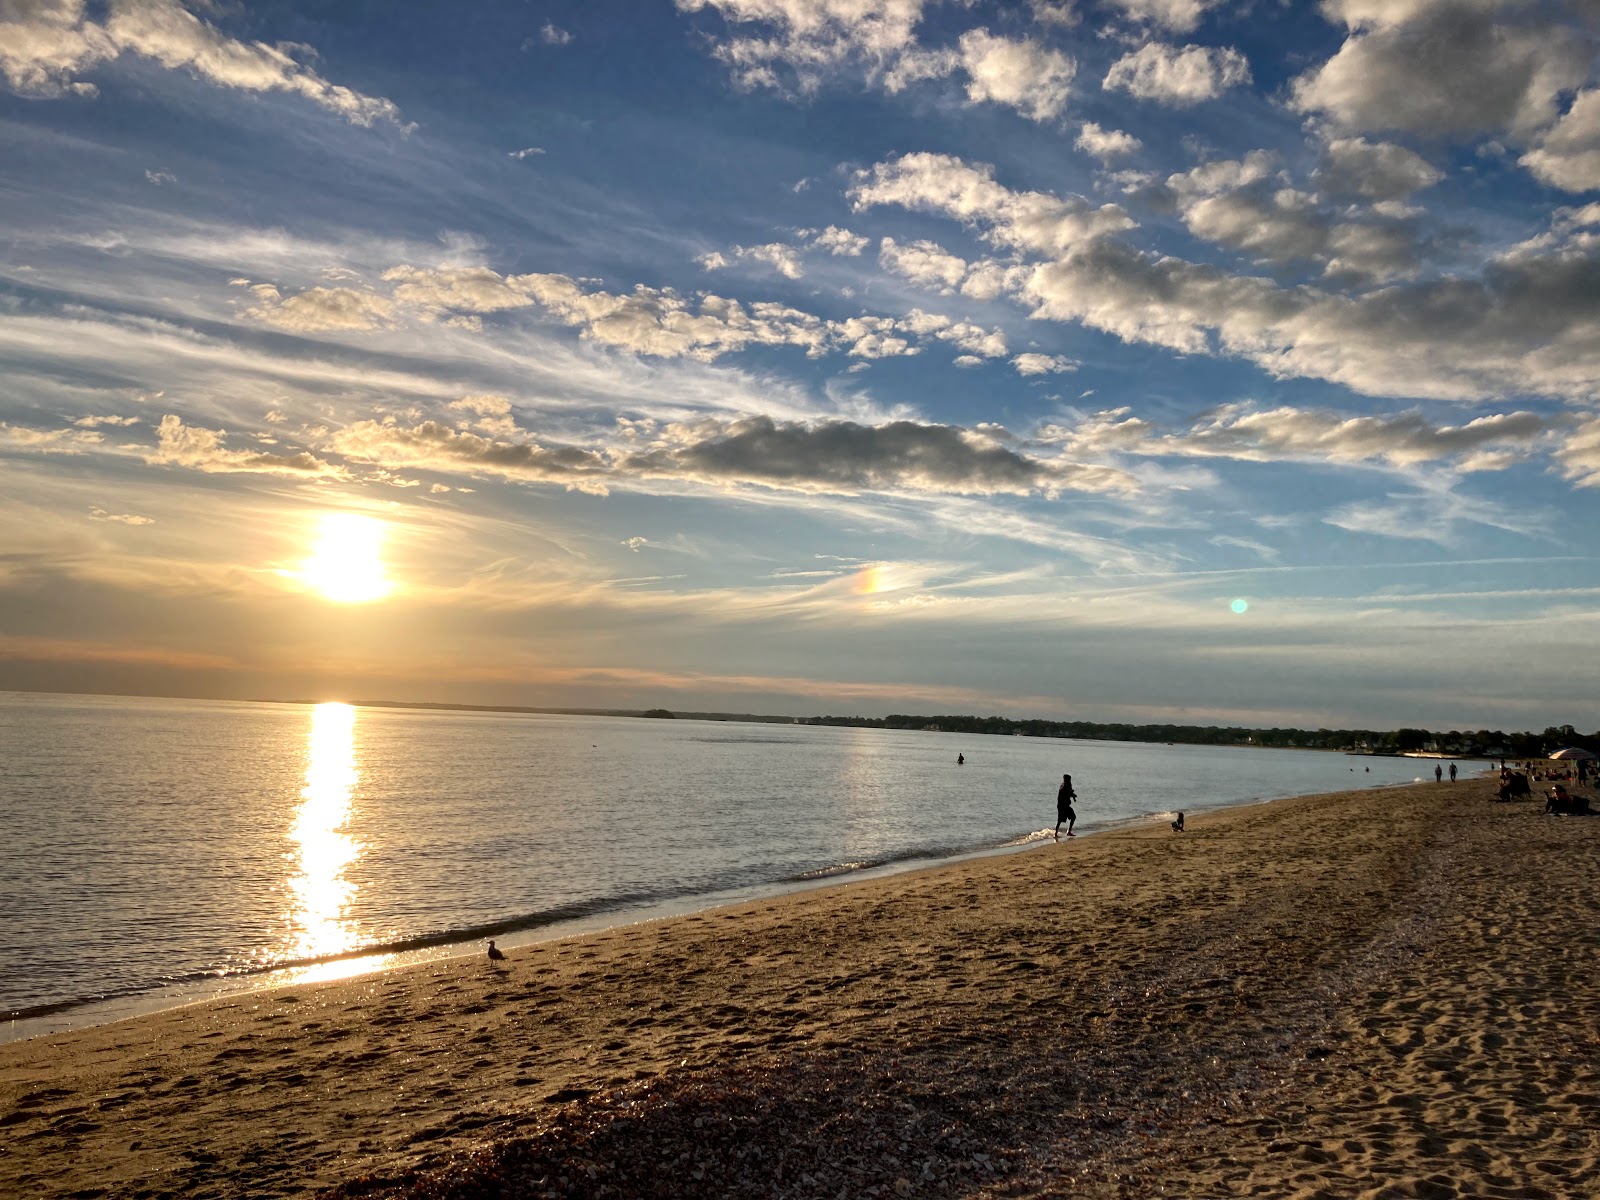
(1240, 606)
(347, 564)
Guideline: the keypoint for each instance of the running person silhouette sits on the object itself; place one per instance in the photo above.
(1064, 798)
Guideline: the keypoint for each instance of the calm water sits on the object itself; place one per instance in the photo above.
(153, 848)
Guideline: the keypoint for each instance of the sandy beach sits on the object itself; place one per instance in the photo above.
(1366, 994)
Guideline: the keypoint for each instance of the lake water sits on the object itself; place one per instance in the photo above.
(158, 850)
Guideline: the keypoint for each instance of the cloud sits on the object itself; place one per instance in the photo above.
(1026, 220)
(97, 421)
(525, 152)
(554, 36)
(1180, 16)
(841, 242)
(431, 445)
(181, 445)
(781, 258)
(1374, 171)
(636, 544)
(100, 514)
(1043, 364)
(158, 178)
(1106, 144)
(1178, 77)
(319, 308)
(1060, 14)
(1240, 431)
(810, 38)
(923, 262)
(1026, 76)
(44, 44)
(1579, 454)
(842, 456)
(1527, 325)
(47, 441)
(1243, 205)
(1446, 67)
(458, 289)
(1567, 155)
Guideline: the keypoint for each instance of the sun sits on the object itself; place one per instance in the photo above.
(347, 564)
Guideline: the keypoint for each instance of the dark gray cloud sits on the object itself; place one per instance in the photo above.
(1449, 67)
(845, 455)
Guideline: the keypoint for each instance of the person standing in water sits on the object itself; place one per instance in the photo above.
(1064, 812)
(1452, 772)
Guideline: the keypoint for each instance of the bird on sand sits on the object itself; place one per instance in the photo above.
(495, 955)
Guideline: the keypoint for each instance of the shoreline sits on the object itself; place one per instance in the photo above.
(513, 933)
(1231, 1009)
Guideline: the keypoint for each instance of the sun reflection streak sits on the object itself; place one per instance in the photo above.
(319, 888)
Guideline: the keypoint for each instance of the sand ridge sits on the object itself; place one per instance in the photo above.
(1328, 996)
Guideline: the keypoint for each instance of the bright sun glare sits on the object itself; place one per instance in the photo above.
(346, 565)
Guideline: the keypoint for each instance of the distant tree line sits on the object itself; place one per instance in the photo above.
(1480, 742)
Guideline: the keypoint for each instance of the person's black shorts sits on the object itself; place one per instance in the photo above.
(1065, 814)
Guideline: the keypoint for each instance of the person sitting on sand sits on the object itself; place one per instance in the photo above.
(1559, 801)
(1064, 810)
(1177, 826)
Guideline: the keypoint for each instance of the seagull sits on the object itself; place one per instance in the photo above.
(495, 955)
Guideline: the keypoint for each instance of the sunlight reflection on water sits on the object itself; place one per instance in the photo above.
(323, 849)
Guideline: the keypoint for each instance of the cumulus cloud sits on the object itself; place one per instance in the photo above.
(781, 258)
(1059, 14)
(1243, 204)
(1442, 338)
(1027, 220)
(458, 289)
(1179, 77)
(525, 152)
(553, 35)
(806, 39)
(1043, 364)
(180, 445)
(319, 308)
(1567, 156)
(1106, 144)
(797, 44)
(1024, 75)
(824, 457)
(1180, 16)
(840, 242)
(1443, 67)
(842, 456)
(46, 44)
(1374, 170)
(923, 262)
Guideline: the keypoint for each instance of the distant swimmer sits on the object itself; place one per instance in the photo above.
(1177, 826)
(495, 955)
(1064, 811)
(961, 760)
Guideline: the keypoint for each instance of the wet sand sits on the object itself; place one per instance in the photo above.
(1367, 994)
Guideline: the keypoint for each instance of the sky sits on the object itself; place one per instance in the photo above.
(1190, 361)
